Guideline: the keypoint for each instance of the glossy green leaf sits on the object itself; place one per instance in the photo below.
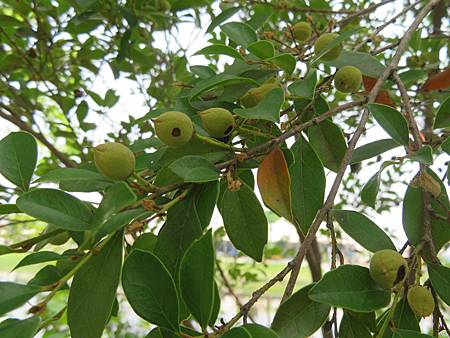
(370, 190)
(38, 257)
(14, 328)
(286, 62)
(197, 279)
(205, 201)
(404, 319)
(245, 221)
(446, 145)
(261, 13)
(6, 209)
(442, 119)
(366, 63)
(56, 207)
(93, 291)
(392, 121)
(306, 87)
(268, 109)
(116, 198)
(373, 149)
(48, 275)
(409, 334)
(71, 174)
(239, 32)
(218, 81)
(13, 295)
(226, 14)
(216, 306)
(145, 242)
(150, 289)
(350, 287)
(363, 230)
(218, 49)
(194, 169)
(299, 316)
(424, 155)
(351, 327)
(307, 183)
(440, 278)
(250, 331)
(18, 156)
(329, 143)
(262, 49)
(119, 220)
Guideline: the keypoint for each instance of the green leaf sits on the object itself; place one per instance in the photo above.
(341, 38)
(18, 156)
(217, 81)
(286, 62)
(363, 230)
(151, 290)
(409, 334)
(350, 287)
(56, 207)
(119, 220)
(442, 119)
(239, 32)
(197, 279)
(205, 201)
(373, 149)
(245, 221)
(440, 278)
(93, 290)
(38, 257)
(14, 328)
(194, 169)
(13, 295)
(116, 198)
(222, 17)
(306, 87)
(307, 183)
(446, 145)
(329, 143)
(370, 190)
(366, 63)
(267, 109)
(250, 331)
(71, 174)
(392, 121)
(6, 209)
(423, 155)
(299, 316)
(261, 13)
(145, 242)
(352, 327)
(218, 49)
(262, 49)
(216, 306)
(404, 318)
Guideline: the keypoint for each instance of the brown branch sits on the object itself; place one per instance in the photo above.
(300, 9)
(351, 146)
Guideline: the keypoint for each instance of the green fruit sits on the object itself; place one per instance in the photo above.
(302, 31)
(420, 300)
(255, 95)
(322, 42)
(388, 268)
(114, 160)
(174, 128)
(164, 5)
(60, 238)
(218, 122)
(348, 79)
(414, 61)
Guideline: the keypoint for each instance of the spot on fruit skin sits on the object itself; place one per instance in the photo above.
(173, 128)
(420, 300)
(218, 122)
(322, 42)
(302, 31)
(388, 268)
(348, 79)
(114, 160)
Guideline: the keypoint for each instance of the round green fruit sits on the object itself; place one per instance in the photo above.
(174, 128)
(60, 238)
(255, 95)
(218, 122)
(348, 79)
(302, 31)
(388, 268)
(114, 160)
(420, 300)
(164, 5)
(322, 42)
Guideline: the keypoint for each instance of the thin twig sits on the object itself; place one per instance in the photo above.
(368, 10)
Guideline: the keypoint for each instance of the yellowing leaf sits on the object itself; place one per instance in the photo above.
(274, 183)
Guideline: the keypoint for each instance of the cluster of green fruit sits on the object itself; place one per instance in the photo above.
(389, 269)
(348, 79)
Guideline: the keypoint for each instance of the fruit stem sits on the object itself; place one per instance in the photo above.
(147, 185)
(212, 141)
